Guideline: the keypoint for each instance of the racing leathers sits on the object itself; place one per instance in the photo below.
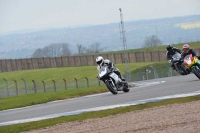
(111, 66)
(190, 51)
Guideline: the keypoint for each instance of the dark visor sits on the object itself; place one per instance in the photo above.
(99, 62)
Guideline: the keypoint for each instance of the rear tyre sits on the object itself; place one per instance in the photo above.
(111, 88)
(196, 72)
(126, 89)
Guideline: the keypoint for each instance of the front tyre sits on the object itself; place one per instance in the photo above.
(178, 69)
(196, 72)
(111, 87)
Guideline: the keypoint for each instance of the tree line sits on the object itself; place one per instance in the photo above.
(62, 49)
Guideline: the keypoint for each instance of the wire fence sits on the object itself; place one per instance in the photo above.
(14, 88)
(21, 87)
(152, 74)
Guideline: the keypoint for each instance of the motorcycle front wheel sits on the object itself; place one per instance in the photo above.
(111, 87)
(183, 69)
(196, 72)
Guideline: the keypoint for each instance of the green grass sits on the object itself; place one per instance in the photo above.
(56, 74)
(99, 114)
(32, 99)
(38, 98)
(68, 73)
(161, 67)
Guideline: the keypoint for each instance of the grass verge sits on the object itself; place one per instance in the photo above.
(50, 122)
(38, 98)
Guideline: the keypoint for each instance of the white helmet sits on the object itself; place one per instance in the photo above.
(99, 60)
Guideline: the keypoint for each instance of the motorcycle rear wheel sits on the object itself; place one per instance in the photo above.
(111, 88)
(126, 89)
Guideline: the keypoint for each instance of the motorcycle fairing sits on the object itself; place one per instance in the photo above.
(189, 61)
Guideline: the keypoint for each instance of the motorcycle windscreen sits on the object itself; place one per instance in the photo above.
(102, 71)
(176, 56)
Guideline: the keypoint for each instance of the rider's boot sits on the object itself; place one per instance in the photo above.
(120, 76)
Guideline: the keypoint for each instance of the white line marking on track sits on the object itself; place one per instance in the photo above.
(101, 108)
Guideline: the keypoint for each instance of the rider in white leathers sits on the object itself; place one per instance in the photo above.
(100, 62)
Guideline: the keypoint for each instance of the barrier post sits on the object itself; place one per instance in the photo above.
(24, 84)
(99, 82)
(65, 84)
(44, 86)
(76, 81)
(87, 81)
(54, 84)
(6, 86)
(34, 86)
(16, 87)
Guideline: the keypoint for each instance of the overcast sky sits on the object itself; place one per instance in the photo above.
(37, 14)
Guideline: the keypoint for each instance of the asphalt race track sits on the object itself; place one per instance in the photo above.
(146, 90)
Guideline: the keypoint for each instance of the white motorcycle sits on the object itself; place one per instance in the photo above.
(112, 80)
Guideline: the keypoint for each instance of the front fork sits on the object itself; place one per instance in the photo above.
(110, 80)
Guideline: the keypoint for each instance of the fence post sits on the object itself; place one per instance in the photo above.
(34, 86)
(16, 87)
(6, 86)
(44, 86)
(147, 74)
(99, 81)
(141, 76)
(24, 85)
(169, 70)
(76, 82)
(65, 84)
(155, 72)
(87, 81)
(54, 84)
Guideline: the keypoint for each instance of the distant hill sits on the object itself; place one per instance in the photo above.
(169, 30)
